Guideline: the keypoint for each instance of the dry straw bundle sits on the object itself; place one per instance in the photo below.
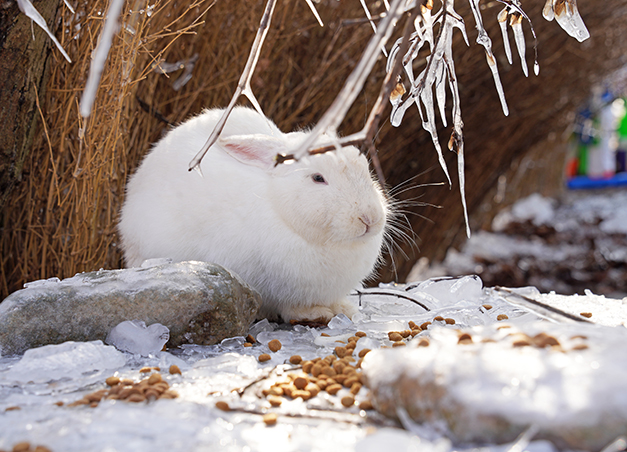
(62, 218)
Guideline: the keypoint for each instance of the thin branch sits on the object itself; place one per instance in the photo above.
(243, 86)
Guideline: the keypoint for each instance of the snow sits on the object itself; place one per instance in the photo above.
(66, 372)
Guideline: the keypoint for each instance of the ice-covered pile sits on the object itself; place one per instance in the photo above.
(578, 242)
(36, 389)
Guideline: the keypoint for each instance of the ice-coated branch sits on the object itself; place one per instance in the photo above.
(31, 12)
(336, 113)
(99, 58)
(243, 86)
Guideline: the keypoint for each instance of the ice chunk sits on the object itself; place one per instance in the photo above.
(148, 263)
(286, 337)
(262, 325)
(68, 360)
(133, 336)
(447, 290)
(339, 322)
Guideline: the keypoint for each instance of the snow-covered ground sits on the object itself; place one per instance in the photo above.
(568, 245)
(38, 388)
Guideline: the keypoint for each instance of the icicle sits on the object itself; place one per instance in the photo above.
(31, 12)
(519, 37)
(568, 18)
(547, 11)
(502, 19)
(429, 125)
(315, 12)
(440, 93)
(67, 4)
(484, 40)
(462, 186)
(99, 57)
(368, 15)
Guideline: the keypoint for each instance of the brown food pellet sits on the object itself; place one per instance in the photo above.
(412, 325)
(12, 408)
(348, 400)
(112, 381)
(275, 401)
(307, 365)
(521, 343)
(487, 306)
(41, 449)
(356, 387)
(136, 398)
(464, 338)
(264, 357)
(449, 321)
(438, 318)
(360, 334)
(270, 418)
(415, 332)
(59, 403)
(395, 336)
(586, 314)
(250, 339)
(580, 347)
(154, 379)
(333, 389)
(423, 343)
(399, 344)
(425, 325)
(366, 405)
(544, 340)
(145, 370)
(174, 369)
(405, 333)
(275, 345)
(301, 382)
(296, 393)
(363, 352)
(324, 334)
(340, 352)
(21, 447)
(312, 389)
(247, 344)
(222, 405)
(502, 317)
(295, 359)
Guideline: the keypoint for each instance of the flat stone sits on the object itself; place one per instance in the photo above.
(200, 303)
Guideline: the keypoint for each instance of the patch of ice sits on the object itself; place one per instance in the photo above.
(133, 336)
(70, 360)
(339, 322)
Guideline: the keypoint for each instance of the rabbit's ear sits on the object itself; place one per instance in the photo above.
(257, 150)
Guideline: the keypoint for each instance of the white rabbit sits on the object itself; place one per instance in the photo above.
(303, 234)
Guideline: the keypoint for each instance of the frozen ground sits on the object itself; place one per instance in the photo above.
(32, 386)
(568, 245)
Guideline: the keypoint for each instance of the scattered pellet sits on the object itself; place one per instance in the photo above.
(487, 306)
(395, 336)
(21, 447)
(340, 352)
(145, 370)
(464, 338)
(112, 381)
(580, 347)
(360, 334)
(586, 314)
(363, 352)
(275, 401)
(250, 339)
(264, 357)
(405, 333)
(366, 405)
(449, 321)
(348, 400)
(154, 379)
(295, 359)
(301, 382)
(425, 325)
(12, 408)
(333, 389)
(222, 405)
(502, 317)
(275, 345)
(247, 344)
(174, 369)
(438, 318)
(399, 344)
(270, 418)
(423, 342)
(324, 334)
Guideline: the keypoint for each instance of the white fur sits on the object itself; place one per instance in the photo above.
(301, 244)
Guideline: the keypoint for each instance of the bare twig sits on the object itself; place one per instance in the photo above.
(243, 86)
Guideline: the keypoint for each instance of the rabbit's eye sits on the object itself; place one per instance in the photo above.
(318, 178)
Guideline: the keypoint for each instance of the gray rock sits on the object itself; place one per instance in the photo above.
(201, 303)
